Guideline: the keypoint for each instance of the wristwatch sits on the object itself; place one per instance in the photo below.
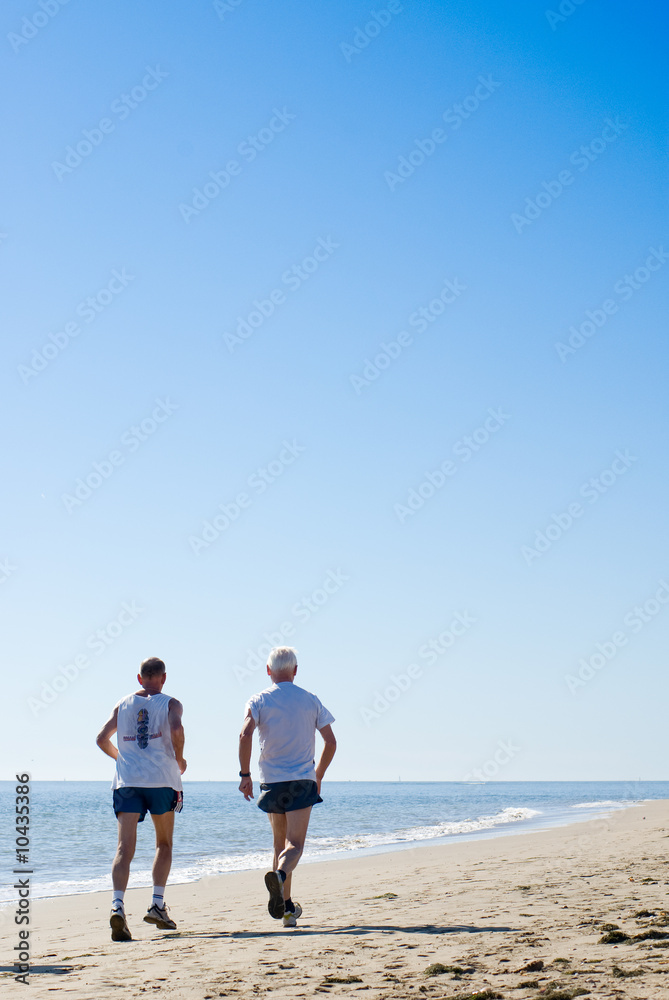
(244, 774)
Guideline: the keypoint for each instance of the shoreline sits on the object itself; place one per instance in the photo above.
(515, 828)
(489, 907)
(183, 873)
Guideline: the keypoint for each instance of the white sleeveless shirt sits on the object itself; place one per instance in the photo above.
(145, 752)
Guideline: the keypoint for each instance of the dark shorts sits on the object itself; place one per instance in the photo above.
(286, 796)
(142, 800)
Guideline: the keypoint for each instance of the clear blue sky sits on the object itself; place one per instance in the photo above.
(340, 213)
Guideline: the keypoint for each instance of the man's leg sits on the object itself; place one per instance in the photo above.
(125, 852)
(278, 824)
(295, 833)
(157, 912)
(127, 838)
(164, 825)
(290, 831)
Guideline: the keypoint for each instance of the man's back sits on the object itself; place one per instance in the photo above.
(287, 718)
(145, 753)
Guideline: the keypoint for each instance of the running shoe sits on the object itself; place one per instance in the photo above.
(119, 927)
(274, 884)
(159, 916)
(290, 916)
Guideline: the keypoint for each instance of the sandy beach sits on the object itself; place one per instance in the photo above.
(517, 916)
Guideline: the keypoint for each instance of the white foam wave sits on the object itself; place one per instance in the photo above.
(419, 833)
(601, 805)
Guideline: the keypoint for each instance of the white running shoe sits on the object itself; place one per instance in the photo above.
(159, 916)
(290, 916)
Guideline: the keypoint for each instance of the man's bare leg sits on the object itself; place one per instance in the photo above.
(278, 821)
(297, 823)
(290, 831)
(125, 851)
(164, 826)
(157, 913)
(288, 848)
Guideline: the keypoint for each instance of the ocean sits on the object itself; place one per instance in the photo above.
(73, 828)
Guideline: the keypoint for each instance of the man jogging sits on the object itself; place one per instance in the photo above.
(287, 718)
(149, 765)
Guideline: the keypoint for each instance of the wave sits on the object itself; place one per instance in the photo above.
(419, 833)
(603, 804)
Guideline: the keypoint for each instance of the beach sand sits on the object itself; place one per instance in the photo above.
(492, 908)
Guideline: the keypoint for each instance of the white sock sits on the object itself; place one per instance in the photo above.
(117, 899)
(158, 896)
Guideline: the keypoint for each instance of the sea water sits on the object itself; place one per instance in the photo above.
(73, 828)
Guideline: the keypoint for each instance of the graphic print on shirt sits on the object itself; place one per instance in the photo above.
(143, 728)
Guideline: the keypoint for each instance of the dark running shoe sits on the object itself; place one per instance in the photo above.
(274, 884)
(119, 927)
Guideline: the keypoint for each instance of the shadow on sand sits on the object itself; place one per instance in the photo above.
(356, 929)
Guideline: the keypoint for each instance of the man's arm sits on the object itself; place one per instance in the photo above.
(245, 746)
(103, 738)
(174, 713)
(328, 752)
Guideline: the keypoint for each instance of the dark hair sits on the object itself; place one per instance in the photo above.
(153, 667)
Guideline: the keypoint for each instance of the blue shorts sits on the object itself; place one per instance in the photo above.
(286, 796)
(142, 800)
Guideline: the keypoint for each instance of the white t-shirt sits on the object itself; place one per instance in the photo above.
(287, 718)
(145, 752)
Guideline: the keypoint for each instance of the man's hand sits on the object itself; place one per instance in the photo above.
(245, 744)
(246, 788)
(328, 752)
(174, 715)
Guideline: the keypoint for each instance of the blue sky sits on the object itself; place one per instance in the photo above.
(541, 199)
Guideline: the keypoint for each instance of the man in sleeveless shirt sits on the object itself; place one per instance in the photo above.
(287, 718)
(149, 764)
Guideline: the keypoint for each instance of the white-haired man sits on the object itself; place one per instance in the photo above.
(287, 718)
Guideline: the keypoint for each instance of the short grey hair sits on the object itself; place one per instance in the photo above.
(282, 660)
(153, 667)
